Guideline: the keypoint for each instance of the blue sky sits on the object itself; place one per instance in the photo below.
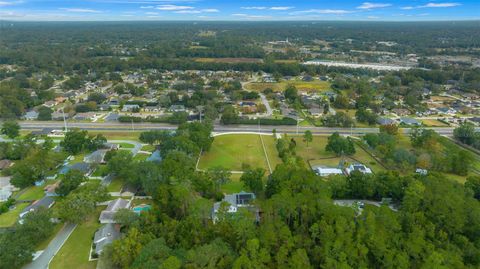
(239, 10)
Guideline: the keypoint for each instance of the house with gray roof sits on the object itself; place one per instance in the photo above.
(108, 215)
(97, 157)
(45, 202)
(105, 235)
(410, 121)
(385, 121)
(235, 202)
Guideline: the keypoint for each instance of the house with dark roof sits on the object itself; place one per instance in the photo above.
(410, 121)
(105, 235)
(45, 202)
(385, 121)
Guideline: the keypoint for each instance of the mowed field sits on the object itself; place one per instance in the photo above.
(229, 60)
(307, 86)
(231, 151)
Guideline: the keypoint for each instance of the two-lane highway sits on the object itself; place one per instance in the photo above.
(97, 126)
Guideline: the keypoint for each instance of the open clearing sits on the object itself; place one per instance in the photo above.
(231, 151)
(308, 86)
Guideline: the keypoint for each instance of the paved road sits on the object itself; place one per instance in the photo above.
(35, 125)
(267, 105)
(46, 257)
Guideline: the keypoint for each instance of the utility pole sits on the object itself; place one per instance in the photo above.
(64, 120)
(200, 110)
(133, 129)
(297, 123)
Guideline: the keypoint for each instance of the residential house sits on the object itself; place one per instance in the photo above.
(130, 108)
(234, 202)
(50, 190)
(83, 167)
(401, 111)
(50, 104)
(105, 235)
(358, 167)
(177, 108)
(108, 215)
(31, 115)
(6, 188)
(385, 121)
(327, 171)
(46, 202)
(446, 110)
(97, 157)
(315, 112)
(85, 116)
(410, 121)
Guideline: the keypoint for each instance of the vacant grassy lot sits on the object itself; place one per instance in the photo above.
(126, 145)
(231, 151)
(434, 123)
(119, 135)
(141, 157)
(9, 218)
(74, 253)
(308, 86)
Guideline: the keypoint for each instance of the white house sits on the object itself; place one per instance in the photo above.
(327, 171)
(358, 167)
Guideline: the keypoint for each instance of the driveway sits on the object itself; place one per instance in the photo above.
(55, 245)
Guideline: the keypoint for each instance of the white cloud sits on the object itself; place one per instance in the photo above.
(188, 12)
(210, 10)
(146, 7)
(322, 11)
(432, 5)
(81, 10)
(173, 7)
(442, 5)
(373, 17)
(254, 8)
(151, 13)
(9, 3)
(369, 5)
(281, 8)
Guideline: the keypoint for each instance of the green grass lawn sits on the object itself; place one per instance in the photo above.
(100, 171)
(78, 158)
(9, 218)
(126, 145)
(118, 135)
(310, 86)
(115, 186)
(141, 157)
(74, 253)
(234, 185)
(231, 151)
(150, 148)
(34, 192)
(270, 146)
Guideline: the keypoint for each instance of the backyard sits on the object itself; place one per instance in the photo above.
(9, 218)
